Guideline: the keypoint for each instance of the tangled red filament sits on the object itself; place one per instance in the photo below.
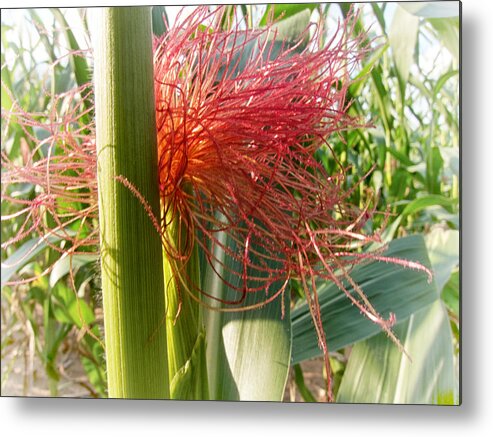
(240, 116)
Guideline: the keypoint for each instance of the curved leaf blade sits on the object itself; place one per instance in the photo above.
(377, 372)
(248, 352)
(390, 288)
(25, 254)
(66, 263)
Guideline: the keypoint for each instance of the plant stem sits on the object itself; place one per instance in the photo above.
(182, 315)
(131, 256)
(184, 327)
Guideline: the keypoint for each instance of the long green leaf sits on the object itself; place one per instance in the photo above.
(78, 61)
(293, 26)
(421, 203)
(6, 74)
(305, 392)
(68, 308)
(390, 288)
(377, 372)
(451, 293)
(159, 20)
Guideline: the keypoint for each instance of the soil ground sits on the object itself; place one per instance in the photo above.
(23, 373)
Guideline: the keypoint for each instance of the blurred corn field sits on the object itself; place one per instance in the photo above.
(406, 90)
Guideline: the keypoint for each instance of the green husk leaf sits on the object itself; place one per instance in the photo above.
(190, 381)
(183, 318)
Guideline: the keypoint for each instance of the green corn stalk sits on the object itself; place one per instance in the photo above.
(131, 256)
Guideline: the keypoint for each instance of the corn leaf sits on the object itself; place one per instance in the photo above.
(241, 343)
(291, 27)
(402, 37)
(421, 203)
(451, 293)
(78, 61)
(159, 20)
(24, 254)
(286, 34)
(66, 263)
(390, 288)
(68, 308)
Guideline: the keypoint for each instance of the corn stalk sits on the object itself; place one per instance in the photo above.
(131, 257)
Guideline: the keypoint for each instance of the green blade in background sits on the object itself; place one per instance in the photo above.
(248, 353)
(159, 20)
(25, 254)
(286, 10)
(285, 33)
(432, 9)
(80, 66)
(403, 37)
(377, 372)
(389, 287)
(444, 17)
(448, 30)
